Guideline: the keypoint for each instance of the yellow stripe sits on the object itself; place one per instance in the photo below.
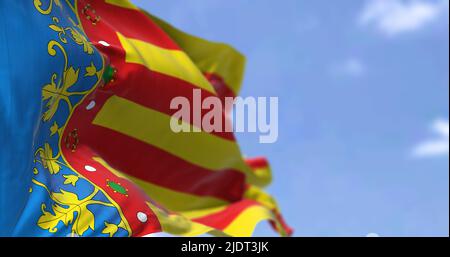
(211, 57)
(122, 3)
(174, 63)
(152, 127)
(245, 223)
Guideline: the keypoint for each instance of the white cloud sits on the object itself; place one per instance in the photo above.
(438, 146)
(372, 235)
(352, 67)
(393, 17)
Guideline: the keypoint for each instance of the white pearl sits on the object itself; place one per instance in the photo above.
(142, 217)
(90, 168)
(91, 105)
(104, 43)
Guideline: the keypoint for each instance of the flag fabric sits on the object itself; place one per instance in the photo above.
(87, 149)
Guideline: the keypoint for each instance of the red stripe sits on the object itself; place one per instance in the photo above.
(289, 231)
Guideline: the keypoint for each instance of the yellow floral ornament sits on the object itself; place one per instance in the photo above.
(111, 229)
(55, 129)
(55, 93)
(38, 6)
(70, 179)
(67, 211)
(50, 221)
(81, 40)
(49, 161)
(84, 218)
(70, 210)
(91, 71)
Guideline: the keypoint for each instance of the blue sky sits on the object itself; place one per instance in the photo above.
(363, 88)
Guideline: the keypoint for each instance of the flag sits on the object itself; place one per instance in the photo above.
(87, 87)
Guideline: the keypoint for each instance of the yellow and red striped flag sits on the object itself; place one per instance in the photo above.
(180, 183)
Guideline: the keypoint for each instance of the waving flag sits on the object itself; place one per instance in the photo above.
(87, 87)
